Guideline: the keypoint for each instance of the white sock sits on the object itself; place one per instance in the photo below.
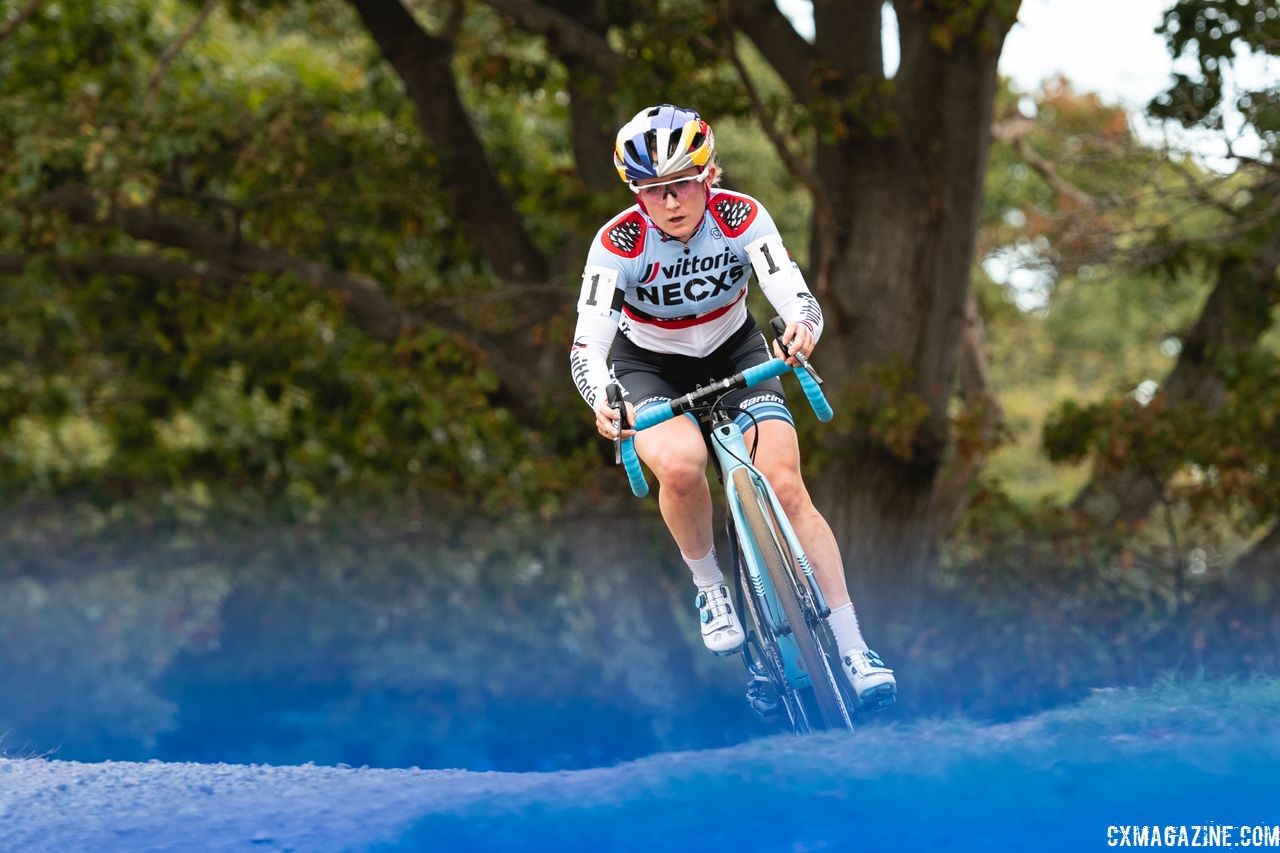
(844, 624)
(706, 572)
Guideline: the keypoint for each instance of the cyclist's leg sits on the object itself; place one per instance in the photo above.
(778, 458)
(764, 411)
(677, 455)
(674, 451)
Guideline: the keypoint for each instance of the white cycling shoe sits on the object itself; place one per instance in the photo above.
(873, 682)
(721, 631)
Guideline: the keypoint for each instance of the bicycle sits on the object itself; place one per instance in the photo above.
(789, 653)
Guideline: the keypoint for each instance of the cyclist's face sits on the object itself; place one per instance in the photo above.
(678, 204)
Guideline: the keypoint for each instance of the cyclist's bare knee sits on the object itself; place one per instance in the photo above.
(682, 474)
(676, 454)
(789, 488)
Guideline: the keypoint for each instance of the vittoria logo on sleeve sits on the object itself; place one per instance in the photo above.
(733, 213)
(626, 236)
(809, 311)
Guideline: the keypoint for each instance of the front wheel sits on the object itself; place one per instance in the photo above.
(784, 575)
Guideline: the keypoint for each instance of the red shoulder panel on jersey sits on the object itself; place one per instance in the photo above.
(625, 236)
(733, 213)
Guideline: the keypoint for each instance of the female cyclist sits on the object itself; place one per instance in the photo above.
(671, 273)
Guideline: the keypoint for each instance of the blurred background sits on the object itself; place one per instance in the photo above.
(292, 467)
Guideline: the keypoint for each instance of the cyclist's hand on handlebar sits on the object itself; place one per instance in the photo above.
(797, 338)
(606, 424)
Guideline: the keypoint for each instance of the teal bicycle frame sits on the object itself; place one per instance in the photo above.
(727, 441)
(731, 450)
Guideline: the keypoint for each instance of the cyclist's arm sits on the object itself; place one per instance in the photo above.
(783, 283)
(599, 310)
(758, 241)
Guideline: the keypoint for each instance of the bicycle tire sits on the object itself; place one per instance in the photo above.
(780, 564)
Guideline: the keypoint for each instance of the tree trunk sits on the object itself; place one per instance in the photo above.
(983, 416)
(1254, 579)
(912, 197)
(1234, 317)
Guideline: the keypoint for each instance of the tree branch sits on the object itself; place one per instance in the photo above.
(594, 68)
(1014, 132)
(823, 215)
(794, 59)
(1234, 317)
(424, 63)
(171, 52)
(17, 20)
(565, 34)
(150, 267)
(363, 296)
(227, 257)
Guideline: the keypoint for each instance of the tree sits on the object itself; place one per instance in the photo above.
(1185, 458)
(895, 172)
(903, 162)
(1241, 253)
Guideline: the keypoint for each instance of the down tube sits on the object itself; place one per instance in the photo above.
(789, 533)
(730, 459)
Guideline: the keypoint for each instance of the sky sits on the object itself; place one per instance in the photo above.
(1105, 46)
(1109, 47)
(1125, 61)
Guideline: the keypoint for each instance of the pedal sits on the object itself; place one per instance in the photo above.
(762, 697)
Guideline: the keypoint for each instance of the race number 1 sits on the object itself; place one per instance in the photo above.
(764, 250)
(769, 256)
(598, 287)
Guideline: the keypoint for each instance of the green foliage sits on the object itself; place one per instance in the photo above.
(1227, 455)
(1119, 244)
(194, 395)
(1073, 312)
(1217, 34)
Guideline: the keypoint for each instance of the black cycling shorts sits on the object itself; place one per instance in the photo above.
(649, 377)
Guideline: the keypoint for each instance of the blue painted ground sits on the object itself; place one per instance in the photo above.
(1207, 753)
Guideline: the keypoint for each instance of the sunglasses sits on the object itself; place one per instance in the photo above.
(680, 187)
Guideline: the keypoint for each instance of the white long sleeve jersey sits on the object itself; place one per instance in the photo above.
(685, 299)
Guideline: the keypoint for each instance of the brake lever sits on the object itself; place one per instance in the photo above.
(804, 362)
(614, 392)
(778, 329)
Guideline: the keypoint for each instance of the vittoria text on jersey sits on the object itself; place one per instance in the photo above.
(687, 299)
